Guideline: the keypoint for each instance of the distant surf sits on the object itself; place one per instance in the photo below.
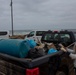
(19, 32)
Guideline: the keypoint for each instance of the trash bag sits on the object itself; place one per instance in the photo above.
(52, 50)
(35, 53)
(31, 43)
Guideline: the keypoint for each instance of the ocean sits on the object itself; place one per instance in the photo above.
(19, 32)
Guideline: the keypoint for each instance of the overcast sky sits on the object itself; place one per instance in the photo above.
(38, 14)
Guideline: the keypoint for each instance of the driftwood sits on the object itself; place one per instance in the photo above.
(17, 37)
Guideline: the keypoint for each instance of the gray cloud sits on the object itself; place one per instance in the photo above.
(38, 14)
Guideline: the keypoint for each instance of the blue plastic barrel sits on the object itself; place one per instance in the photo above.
(14, 47)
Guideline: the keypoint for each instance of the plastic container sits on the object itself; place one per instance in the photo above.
(14, 47)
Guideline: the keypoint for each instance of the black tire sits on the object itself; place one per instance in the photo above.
(61, 73)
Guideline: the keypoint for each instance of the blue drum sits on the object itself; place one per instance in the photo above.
(14, 47)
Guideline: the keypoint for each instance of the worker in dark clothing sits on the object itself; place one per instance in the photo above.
(71, 53)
